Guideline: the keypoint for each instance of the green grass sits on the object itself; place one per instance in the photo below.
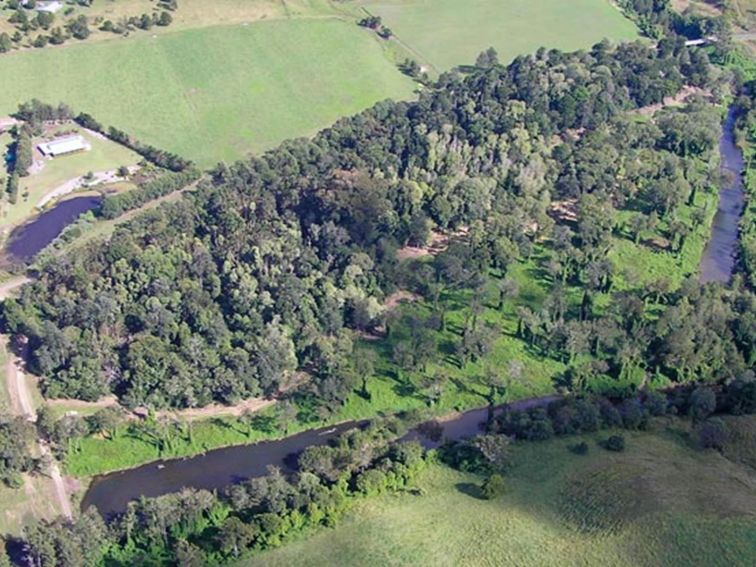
(33, 501)
(214, 93)
(447, 33)
(640, 263)
(660, 502)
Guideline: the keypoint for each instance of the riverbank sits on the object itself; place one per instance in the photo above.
(222, 467)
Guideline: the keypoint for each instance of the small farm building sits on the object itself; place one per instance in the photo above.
(48, 6)
(63, 146)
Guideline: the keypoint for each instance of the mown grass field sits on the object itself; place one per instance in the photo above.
(661, 502)
(447, 33)
(215, 93)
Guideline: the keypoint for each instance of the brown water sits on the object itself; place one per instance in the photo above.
(216, 469)
(719, 257)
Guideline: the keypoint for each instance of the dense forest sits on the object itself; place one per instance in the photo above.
(267, 267)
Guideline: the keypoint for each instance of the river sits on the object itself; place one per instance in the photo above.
(719, 257)
(216, 469)
(29, 239)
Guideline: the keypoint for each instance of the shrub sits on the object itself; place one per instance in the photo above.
(610, 416)
(713, 433)
(702, 403)
(493, 487)
(634, 415)
(656, 404)
(615, 443)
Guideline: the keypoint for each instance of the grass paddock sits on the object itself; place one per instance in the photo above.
(661, 502)
(447, 33)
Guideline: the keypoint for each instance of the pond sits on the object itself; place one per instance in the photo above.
(29, 239)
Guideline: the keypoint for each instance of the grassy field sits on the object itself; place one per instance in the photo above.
(661, 502)
(216, 93)
(104, 155)
(33, 501)
(446, 33)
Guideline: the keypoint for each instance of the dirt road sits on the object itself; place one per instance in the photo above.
(21, 404)
(100, 177)
(7, 288)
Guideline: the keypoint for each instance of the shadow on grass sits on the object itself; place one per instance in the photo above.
(470, 489)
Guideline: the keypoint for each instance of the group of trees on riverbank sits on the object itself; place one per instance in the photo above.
(265, 269)
(197, 527)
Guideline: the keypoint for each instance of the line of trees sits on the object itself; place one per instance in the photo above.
(22, 151)
(161, 158)
(115, 205)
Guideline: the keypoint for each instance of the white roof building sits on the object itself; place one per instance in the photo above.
(62, 146)
(49, 6)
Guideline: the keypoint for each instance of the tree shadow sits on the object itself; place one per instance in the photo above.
(470, 489)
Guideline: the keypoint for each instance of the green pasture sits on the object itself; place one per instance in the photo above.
(447, 33)
(662, 502)
(214, 93)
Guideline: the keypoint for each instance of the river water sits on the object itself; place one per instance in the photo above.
(29, 239)
(719, 257)
(216, 469)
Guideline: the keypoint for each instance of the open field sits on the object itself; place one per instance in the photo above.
(33, 501)
(660, 502)
(104, 155)
(216, 93)
(446, 33)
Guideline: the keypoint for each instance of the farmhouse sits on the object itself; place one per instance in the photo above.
(63, 146)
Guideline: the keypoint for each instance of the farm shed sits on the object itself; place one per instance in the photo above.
(62, 146)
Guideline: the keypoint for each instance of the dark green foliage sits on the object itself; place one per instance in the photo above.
(615, 443)
(493, 487)
(702, 403)
(712, 433)
(196, 527)
(115, 205)
(16, 440)
(580, 448)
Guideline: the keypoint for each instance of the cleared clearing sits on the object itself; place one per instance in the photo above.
(659, 503)
(215, 93)
(447, 33)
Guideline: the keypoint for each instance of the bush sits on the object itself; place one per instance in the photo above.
(702, 403)
(634, 415)
(615, 443)
(713, 434)
(656, 404)
(493, 487)
(115, 205)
